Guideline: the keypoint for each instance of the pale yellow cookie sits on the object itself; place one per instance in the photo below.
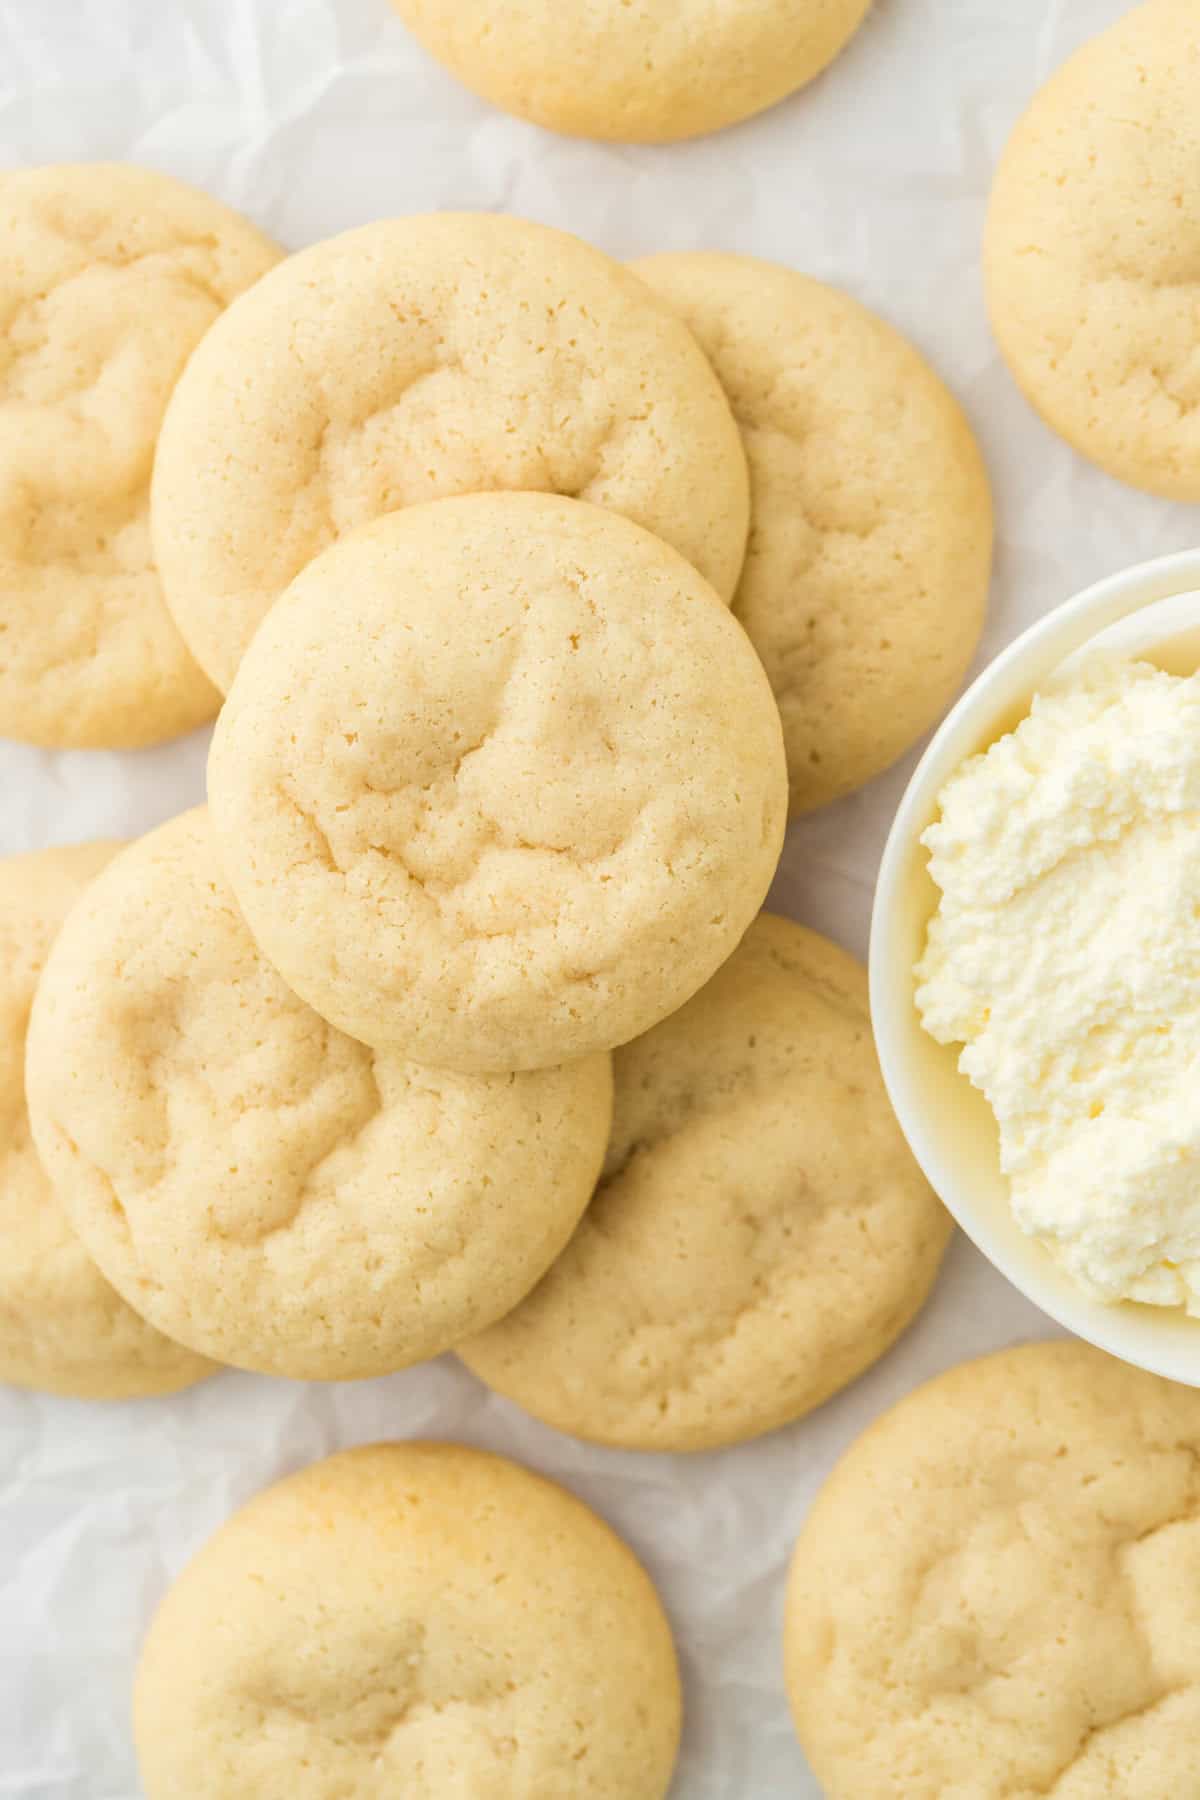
(867, 570)
(255, 1183)
(500, 781)
(417, 1620)
(425, 357)
(641, 72)
(761, 1233)
(110, 276)
(1092, 250)
(997, 1593)
(63, 1329)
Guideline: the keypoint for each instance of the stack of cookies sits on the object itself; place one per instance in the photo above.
(532, 622)
(538, 592)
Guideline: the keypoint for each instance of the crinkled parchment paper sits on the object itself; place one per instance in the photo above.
(315, 115)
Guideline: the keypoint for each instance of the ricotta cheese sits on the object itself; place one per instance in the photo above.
(1064, 957)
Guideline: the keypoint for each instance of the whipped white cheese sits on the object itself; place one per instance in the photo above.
(1065, 957)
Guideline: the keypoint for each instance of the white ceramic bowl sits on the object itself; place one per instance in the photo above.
(947, 1123)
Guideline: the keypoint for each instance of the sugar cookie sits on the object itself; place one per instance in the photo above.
(761, 1233)
(867, 571)
(416, 1619)
(261, 1187)
(419, 358)
(111, 274)
(645, 72)
(1092, 249)
(63, 1329)
(500, 782)
(995, 1594)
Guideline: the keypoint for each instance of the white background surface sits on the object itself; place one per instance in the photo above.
(314, 115)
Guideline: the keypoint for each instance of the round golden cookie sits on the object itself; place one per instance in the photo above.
(110, 276)
(642, 72)
(866, 575)
(259, 1186)
(995, 1594)
(63, 1329)
(425, 357)
(1092, 250)
(499, 782)
(410, 1619)
(761, 1233)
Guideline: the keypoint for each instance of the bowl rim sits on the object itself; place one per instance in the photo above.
(1121, 1330)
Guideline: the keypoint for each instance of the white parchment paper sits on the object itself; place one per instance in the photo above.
(315, 115)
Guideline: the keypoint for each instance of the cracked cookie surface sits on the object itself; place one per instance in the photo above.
(760, 1234)
(63, 1328)
(647, 71)
(111, 275)
(1092, 250)
(419, 358)
(260, 1186)
(417, 1619)
(500, 782)
(869, 557)
(995, 1594)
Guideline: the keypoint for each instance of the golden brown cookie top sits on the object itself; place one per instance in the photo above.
(110, 277)
(63, 1328)
(1092, 250)
(867, 570)
(262, 1187)
(995, 1591)
(417, 1619)
(500, 782)
(761, 1232)
(418, 358)
(647, 71)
